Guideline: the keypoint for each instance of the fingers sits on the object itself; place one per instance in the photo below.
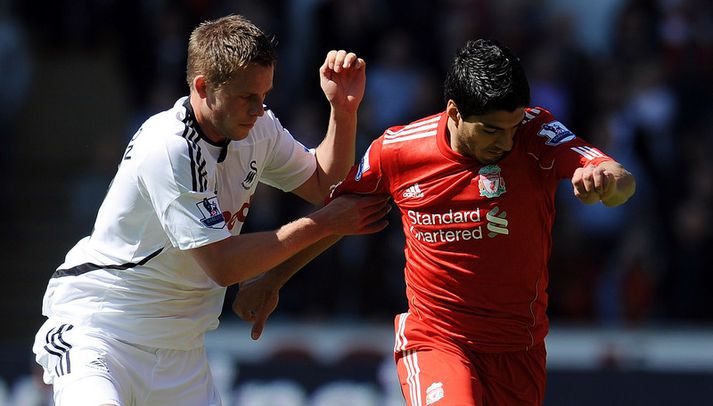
(258, 326)
(247, 315)
(373, 208)
(355, 214)
(586, 197)
(366, 201)
(376, 220)
(587, 182)
(374, 201)
(240, 310)
(375, 227)
(260, 317)
(379, 213)
(591, 184)
(337, 61)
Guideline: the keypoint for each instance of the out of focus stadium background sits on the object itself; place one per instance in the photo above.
(631, 291)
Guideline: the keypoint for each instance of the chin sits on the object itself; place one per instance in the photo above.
(488, 160)
(241, 135)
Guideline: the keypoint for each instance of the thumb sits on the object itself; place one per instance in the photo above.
(258, 326)
(257, 330)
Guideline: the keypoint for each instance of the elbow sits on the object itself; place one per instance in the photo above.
(220, 278)
(226, 279)
(223, 282)
(225, 274)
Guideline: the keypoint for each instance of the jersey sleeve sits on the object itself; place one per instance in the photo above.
(556, 147)
(188, 213)
(290, 163)
(364, 178)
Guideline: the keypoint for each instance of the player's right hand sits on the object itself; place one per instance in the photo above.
(355, 214)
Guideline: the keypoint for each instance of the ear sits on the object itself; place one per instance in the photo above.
(453, 112)
(201, 86)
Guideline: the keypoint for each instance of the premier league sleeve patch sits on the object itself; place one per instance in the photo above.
(212, 216)
(363, 165)
(556, 133)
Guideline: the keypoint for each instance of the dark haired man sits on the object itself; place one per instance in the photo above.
(475, 185)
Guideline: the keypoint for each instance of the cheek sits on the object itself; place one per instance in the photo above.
(231, 110)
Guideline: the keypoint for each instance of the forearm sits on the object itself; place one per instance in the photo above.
(335, 155)
(241, 257)
(280, 274)
(245, 256)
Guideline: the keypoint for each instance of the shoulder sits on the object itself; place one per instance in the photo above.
(169, 133)
(536, 116)
(539, 122)
(415, 131)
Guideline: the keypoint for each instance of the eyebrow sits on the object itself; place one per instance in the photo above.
(245, 92)
(495, 127)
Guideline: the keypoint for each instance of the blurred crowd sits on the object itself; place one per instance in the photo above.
(631, 76)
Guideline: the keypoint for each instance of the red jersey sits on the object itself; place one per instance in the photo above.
(478, 237)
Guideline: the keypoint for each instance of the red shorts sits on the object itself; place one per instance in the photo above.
(437, 371)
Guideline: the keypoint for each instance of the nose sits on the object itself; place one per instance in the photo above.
(505, 141)
(257, 108)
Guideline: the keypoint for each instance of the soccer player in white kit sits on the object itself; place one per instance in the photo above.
(128, 308)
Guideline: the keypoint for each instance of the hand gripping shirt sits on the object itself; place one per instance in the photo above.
(132, 278)
(478, 236)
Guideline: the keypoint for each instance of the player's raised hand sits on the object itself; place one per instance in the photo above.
(343, 78)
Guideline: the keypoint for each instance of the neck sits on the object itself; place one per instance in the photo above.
(205, 125)
(453, 141)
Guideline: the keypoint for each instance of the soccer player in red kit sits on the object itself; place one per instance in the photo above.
(475, 185)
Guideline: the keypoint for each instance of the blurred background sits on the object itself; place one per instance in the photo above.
(631, 289)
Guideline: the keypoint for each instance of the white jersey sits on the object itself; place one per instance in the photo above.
(174, 190)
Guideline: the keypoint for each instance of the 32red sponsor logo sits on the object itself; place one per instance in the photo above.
(240, 215)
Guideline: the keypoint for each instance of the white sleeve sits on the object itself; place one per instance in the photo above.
(290, 163)
(190, 218)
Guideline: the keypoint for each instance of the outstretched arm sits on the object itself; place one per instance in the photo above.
(245, 256)
(342, 78)
(258, 297)
(608, 182)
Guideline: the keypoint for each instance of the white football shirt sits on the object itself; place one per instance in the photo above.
(174, 190)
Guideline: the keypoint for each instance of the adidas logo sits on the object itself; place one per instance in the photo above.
(413, 191)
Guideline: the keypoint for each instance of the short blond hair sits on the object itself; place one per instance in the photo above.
(219, 48)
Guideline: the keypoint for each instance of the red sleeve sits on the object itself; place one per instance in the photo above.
(555, 146)
(364, 178)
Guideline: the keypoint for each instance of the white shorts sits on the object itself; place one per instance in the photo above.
(87, 368)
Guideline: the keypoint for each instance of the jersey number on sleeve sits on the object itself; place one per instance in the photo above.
(127, 153)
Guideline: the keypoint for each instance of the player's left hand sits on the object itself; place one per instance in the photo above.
(343, 78)
(254, 302)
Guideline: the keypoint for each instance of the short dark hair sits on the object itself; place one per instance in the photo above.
(486, 76)
(219, 48)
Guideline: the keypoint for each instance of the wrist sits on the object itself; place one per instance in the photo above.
(273, 279)
(348, 113)
(319, 223)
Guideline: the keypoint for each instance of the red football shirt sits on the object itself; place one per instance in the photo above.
(478, 237)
